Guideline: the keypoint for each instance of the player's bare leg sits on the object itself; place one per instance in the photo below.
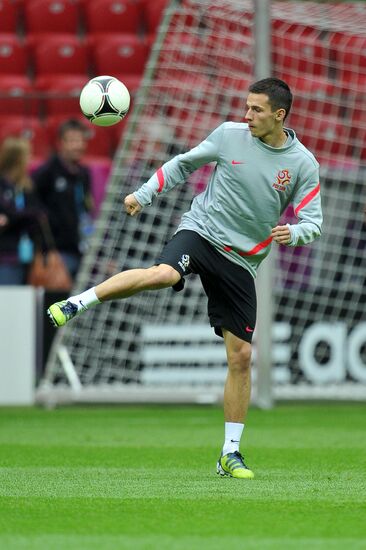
(236, 403)
(128, 283)
(238, 380)
(122, 285)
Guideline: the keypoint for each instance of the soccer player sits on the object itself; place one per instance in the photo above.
(261, 167)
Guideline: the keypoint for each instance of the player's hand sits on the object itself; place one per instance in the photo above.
(132, 207)
(3, 220)
(281, 234)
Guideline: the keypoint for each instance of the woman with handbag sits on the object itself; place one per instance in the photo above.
(18, 211)
(25, 241)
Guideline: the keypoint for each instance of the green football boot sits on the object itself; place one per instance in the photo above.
(61, 312)
(233, 465)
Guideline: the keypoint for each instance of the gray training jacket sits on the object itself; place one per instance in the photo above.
(250, 188)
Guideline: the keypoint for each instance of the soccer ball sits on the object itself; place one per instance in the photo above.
(104, 100)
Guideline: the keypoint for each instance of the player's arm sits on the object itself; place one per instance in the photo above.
(175, 171)
(307, 208)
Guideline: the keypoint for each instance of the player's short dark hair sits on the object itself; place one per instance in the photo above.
(278, 92)
(71, 124)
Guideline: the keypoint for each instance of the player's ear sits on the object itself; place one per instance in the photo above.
(280, 114)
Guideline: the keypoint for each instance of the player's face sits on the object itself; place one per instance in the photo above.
(73, 145)
(262, 121)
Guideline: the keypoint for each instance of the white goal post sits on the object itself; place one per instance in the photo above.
(201, 64)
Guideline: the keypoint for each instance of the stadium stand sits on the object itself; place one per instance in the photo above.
(349, 55)
(118, 53)
(16, 96)
(192, 49)
(328, 135)
(9, 17)
(326, 94)
(49, 16)
(14, 55)
(49, 49)
(152, 13)
(29, 127)
(111, 16)
(59, 94)
(64, 54)
(300, 48)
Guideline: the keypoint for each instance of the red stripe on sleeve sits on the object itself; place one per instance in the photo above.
(161, 180)
(307, 199)
(257, 248)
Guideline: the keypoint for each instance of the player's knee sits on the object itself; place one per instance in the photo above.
(239, 357)
(166, 275)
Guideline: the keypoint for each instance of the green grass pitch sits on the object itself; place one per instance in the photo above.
(143, 477)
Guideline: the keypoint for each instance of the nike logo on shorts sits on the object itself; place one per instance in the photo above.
(248, 329)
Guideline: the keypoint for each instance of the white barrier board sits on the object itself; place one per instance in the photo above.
(17, 345)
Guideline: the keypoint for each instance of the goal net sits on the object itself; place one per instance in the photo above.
(158, 345)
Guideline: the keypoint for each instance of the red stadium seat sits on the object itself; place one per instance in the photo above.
(299, 50)
(51, 16)
(14, 55)
(320, 95)
(349, 58)
(60, 93)
(118, 54)
(234, 91)
(324, 136)
(177, 92)
(221, 25)
(182, 50)
(9, 14)
(358, 113)
(233, 54)
(100, 142)
(17, 96)
(359, 150)
(117, 131)
(357, 120)
(29, 128)
(153, 13)
(112, 16)
(59, 54)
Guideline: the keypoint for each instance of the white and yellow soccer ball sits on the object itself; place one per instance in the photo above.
(104, 100)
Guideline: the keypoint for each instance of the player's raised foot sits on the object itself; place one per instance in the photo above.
(233, 465)
(61, 312)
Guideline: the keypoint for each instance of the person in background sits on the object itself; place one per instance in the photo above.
(63, 186)
(20, 213)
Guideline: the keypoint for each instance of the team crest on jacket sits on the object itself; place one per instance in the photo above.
(283, 179)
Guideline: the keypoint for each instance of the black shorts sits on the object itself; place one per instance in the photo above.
(232, 302)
